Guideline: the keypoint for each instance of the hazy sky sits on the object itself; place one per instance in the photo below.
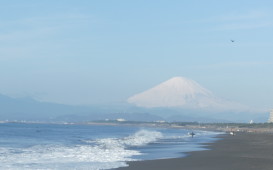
(89, 52)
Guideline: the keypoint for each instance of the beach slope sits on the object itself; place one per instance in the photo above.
(244, 151)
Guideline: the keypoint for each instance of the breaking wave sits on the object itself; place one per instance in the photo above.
(95, 154)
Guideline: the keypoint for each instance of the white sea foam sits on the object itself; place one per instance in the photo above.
(140, 138)
(97, 154)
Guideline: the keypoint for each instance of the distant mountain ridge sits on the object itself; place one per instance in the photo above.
(178, 99)
(181, 92)
(27, 109)
(30, 109)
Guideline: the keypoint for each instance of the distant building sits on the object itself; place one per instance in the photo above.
(121, 120)
(270, 120)
(160, 121)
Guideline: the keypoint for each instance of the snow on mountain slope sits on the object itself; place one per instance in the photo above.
(180, 92)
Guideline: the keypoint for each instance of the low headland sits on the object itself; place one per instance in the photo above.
(223, 127)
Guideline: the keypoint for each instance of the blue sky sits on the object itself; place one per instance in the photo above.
(90, 52)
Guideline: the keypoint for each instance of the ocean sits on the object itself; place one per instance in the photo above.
(91, 147)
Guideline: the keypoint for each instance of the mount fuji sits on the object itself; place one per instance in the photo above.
(182, 93)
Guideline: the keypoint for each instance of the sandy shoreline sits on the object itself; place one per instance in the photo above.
(244, 151)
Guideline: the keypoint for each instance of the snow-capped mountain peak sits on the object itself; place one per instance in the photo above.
(178, 92)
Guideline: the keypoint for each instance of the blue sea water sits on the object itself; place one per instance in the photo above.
(91, 147)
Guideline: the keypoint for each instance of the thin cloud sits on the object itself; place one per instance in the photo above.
(23, 37)
(37, 20)
(32, 26)
(246, 25)
(250, 64)
(59, 19)
(241, 21)
(252, 15)
(26, 34)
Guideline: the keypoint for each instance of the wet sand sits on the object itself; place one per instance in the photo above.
(244, 151)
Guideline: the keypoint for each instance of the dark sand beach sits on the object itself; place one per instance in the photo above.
(244, 151)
